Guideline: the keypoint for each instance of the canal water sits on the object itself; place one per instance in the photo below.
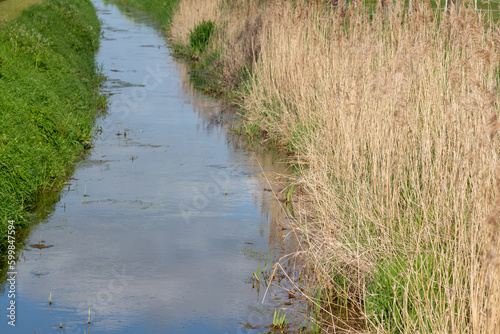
(161, 227)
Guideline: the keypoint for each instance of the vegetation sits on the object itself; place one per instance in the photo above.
(199, 36)
(10, 9)
(161, 11)
(280, 320)
(48, 101)
(392, 115)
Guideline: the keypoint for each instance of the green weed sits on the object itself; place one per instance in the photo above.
(199, 36)
(280, 320)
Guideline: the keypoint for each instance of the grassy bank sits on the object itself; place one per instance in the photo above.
(392, 118)
(48, 100)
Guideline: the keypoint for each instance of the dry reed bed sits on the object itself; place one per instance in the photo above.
(394, 123)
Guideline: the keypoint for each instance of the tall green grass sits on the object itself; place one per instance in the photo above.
(48, 100)
(199, 36)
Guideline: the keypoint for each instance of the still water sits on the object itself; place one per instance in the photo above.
(162, 225)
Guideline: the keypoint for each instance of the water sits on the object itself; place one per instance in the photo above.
(159, 230)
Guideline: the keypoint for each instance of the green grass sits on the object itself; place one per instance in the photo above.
(10, 9)
(161, 11)
(199, 36)
(48, 100)
(280, 321)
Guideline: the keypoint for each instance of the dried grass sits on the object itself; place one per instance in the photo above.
(394, 122)
(12, 8)
(189, 14)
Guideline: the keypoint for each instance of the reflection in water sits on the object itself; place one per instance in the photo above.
(268, 185)
(268, 189)
(215, 117)
(156, 231)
